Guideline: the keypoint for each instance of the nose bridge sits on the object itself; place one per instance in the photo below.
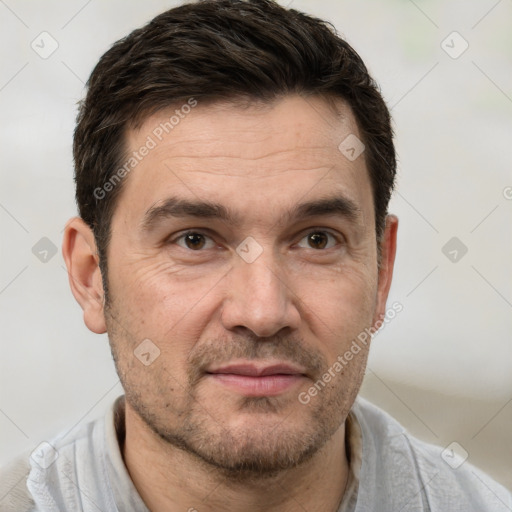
(259, 296)
(264, 278)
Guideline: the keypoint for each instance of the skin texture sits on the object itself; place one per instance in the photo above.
(192, 441)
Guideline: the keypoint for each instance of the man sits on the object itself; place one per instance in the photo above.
(234, 164)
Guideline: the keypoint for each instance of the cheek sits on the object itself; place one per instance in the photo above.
(338, 308)
(159, 300)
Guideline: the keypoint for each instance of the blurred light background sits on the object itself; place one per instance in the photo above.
(442, 367)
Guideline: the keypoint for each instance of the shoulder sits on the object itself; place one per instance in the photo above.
(440, 478)
(47, 477)
(14, 494)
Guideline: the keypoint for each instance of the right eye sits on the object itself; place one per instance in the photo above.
(193, 240)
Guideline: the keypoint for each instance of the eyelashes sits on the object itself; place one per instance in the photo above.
(199, 241)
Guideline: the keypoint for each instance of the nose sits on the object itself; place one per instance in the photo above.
(260, 298)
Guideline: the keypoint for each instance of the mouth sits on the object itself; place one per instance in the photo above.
(258, 380)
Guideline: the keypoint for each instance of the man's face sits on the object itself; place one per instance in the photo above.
(224, 308)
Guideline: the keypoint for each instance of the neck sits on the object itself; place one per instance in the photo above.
(170, 479)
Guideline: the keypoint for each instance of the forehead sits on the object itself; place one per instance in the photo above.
(239, 154)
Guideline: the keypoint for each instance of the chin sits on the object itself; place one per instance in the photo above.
(255, 444)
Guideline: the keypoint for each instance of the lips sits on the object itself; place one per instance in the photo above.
(252, 379)
(254, 370)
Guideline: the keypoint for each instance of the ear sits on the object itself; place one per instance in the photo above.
(388, 251)
(82, 261)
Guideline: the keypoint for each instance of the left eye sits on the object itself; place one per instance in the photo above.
(194, 241)
(318, 240)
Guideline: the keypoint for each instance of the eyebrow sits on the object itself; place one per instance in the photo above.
(175, 207)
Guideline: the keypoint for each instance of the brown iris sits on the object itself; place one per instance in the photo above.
(194, 240)
(318, 240)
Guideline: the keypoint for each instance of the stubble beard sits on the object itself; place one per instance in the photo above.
(252, 452)
(261, 450)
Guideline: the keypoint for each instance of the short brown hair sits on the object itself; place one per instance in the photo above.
(215, 50)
